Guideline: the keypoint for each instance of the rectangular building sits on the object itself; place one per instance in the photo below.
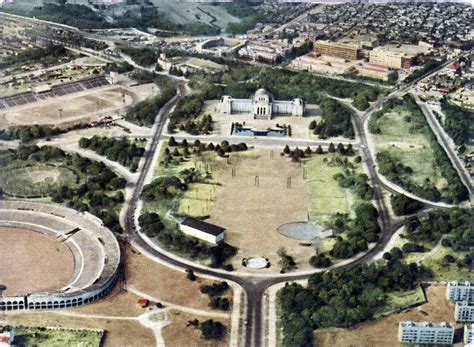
(339, 50)
(460, 291)
(204, 231)
(469, 334)
(425, 333)
(464, 312)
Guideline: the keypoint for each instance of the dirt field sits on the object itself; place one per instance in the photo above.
(128, 333)
(383, 332)
(177, 334)
(23, 269)
(83, 105)
(162, 282)
(266, 207)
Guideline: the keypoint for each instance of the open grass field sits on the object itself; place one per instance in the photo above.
(412, 148)
(180, 335)
(326, 196)
(119, 332)
(25, 270)
(38, 180)
(383, 331)
(56, 338)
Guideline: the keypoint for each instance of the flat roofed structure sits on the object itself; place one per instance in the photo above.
(460, 291)
(426, 333)
(464, 312)
(335, 49)
(202, 230)
(469, 334)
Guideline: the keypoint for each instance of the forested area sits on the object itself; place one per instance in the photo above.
(47, 56)
(336, 120)
(26, 133)
(123, 151)
(403, 205)
(391, 166)
(427, 67)
(98, 192)
(341, 298)
(145, 112)
(141, 56)
(457, 123)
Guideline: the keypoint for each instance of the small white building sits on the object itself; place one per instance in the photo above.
(202, 230)
(469, 335)
(426, 333)
(460, 291)
(262, 106)
(464, 312)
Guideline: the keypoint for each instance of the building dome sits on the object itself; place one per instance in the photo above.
(261, 92)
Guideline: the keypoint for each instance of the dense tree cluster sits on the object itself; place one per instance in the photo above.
(119, 67)
(341, 299)
(141, 56)
(215, 289)
(403, 205)
(320, 261)
(145, 112)
(357, 182)
(457, 123)
(47, 56)
(150, 224)
(455, 224)
(392, 167)
(362, 230)
(336, 120)
(212, 329)
(185, 115)
(93, 194)
(79, 16)
(123, 151)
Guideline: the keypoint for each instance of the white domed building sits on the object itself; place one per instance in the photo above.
(261, 106)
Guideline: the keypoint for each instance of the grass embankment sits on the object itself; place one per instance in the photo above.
(44, 337)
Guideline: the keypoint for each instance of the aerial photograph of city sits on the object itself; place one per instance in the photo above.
(236, 173)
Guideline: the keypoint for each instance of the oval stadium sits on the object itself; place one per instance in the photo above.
(53, 257)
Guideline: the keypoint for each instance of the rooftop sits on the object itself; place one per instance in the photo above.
(202, 226)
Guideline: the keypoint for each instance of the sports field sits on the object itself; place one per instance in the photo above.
(24, 269)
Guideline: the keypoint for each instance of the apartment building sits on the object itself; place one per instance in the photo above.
(340, 50)
(460, 291)
(425, 333)
(464, 312)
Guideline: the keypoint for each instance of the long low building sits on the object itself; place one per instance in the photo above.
(426, 333)
(202, 230)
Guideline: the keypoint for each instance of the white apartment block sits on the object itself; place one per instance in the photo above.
(460, 291)
(425, 333)
(464, 312)
(469, 335)
(385, 57)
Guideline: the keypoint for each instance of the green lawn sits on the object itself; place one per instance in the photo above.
(43, 337)
(400, 299)
(326, 196)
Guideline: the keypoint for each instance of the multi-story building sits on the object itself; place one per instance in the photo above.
(464, 312)
(469, 334)
(340, 50)
(425, 333)
(460, 291)
(397, 57)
